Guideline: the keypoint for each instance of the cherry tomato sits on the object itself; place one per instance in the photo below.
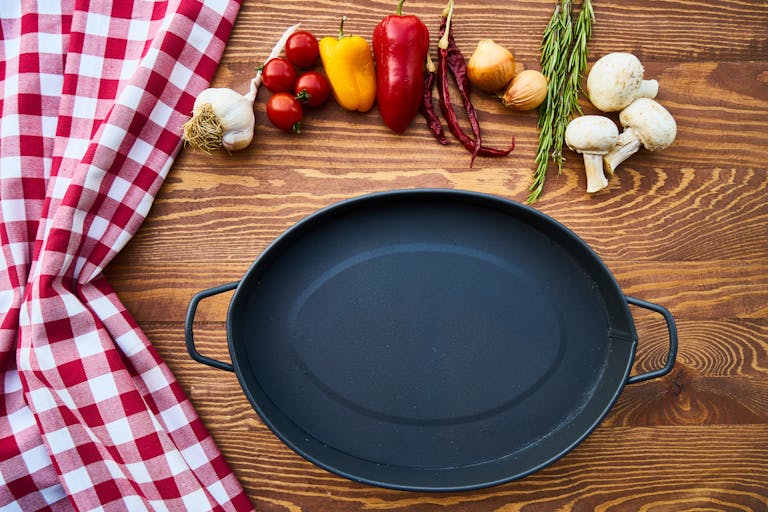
(316, 85)
(278, 75)
(302, 49)
(285, 112)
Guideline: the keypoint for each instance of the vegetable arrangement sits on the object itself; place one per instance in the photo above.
(224, 118)
(399, 75)
(616, 83)
(450, 59)
(293, 91)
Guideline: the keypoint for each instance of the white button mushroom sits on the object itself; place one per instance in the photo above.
(645, 123)
(592, 136)
(616, 80)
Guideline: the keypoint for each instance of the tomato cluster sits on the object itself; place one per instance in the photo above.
(293, 90)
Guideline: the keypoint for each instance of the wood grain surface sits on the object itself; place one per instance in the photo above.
(686, 228)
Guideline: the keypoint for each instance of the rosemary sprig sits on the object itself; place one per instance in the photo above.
(563, 61)
(580, 52)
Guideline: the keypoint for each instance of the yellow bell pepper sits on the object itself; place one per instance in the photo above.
(348, 63)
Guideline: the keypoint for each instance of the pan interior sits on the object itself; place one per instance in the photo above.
(427, 333)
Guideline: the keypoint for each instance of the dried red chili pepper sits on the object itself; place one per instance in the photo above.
(451, 59)
(428, 106)
(400, 44)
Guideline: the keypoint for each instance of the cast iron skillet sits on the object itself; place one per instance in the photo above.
(430, 340)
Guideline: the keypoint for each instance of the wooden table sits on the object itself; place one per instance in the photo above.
(686, 228)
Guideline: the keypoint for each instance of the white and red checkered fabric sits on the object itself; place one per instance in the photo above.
(92, 99)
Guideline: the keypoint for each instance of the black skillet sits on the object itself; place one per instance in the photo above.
(430, 340)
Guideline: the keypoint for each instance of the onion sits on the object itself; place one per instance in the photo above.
(526, 91)
(491, 66)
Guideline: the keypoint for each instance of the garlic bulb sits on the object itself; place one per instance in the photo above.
(526, 91)
(223, 117)
(491, 66)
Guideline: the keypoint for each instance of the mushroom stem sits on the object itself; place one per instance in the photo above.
(646, 124)
(627, 145)
(648, 89)
(593, 165)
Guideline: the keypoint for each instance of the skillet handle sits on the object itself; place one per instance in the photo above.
(197, 356)
(672, 340)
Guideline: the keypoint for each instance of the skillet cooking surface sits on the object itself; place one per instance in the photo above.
(431, 340)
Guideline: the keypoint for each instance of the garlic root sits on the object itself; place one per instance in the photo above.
(206, 131)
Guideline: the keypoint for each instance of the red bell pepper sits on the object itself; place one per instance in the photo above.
(400, 46)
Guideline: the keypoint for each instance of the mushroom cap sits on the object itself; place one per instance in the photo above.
(614, 81)
(594, 135)
(653, 124)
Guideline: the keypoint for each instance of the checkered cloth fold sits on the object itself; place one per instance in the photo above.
(92, 99)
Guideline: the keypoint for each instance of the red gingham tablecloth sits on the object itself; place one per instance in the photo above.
(93, 96)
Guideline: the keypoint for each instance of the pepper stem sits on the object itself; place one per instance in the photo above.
(341, 27)
(430, 64)
(400, 7)
(443, 43)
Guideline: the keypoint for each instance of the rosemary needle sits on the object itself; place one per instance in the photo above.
(563, 61)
